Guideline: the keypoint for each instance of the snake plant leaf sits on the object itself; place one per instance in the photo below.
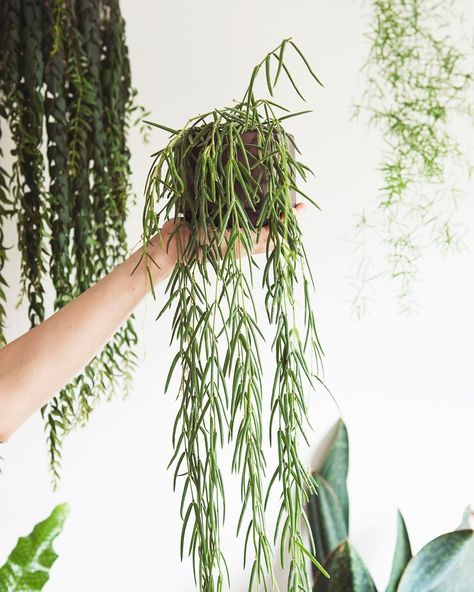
(328, 508)
(436, 562)
(336, 468)
(462, 578)
(402, 554)
(348, 572)
(27, 567)
(326, 518)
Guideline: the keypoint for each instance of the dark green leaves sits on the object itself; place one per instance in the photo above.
(327, 519)
(443, 565)
(27, 568)
(66, 96)
(328, 507)
(347, 572)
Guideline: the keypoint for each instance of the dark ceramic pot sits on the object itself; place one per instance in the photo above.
(258, 172)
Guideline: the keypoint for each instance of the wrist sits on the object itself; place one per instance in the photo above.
(162, 260)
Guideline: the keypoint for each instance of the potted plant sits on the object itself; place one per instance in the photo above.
(445, 564)
(224, 178)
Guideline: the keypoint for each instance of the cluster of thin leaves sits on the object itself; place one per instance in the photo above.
(221, 178)
(419, 86)
(66, 96)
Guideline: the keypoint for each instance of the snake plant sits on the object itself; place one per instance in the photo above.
(223, 177)
(443, 565)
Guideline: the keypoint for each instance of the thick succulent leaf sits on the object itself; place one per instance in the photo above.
(436, 562)
(326, 518)
(27, 567)
(348, 572)
(401, 556)
(336, 468)
(461, 579)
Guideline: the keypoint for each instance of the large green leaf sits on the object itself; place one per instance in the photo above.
(401, 556)
(326, 518)
(435, 562)
(461, 579)
(336, 468)
(348, 572)
(27, 567)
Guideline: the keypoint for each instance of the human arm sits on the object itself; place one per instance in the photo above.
(39, 363)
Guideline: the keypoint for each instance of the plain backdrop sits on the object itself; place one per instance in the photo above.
(404, 385)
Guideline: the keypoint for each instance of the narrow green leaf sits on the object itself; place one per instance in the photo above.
(326, 517)
(280, 59)
(336, 467)
(401, 556)
(162, 127)
(313, 560)
(268, 75)
(307, 64)
(294, 114)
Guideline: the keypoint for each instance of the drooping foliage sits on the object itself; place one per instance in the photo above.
(419, 95)
(66, 98)
(222, 178)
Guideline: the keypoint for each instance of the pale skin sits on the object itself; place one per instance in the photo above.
(36, 365)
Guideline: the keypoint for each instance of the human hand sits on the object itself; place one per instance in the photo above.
(173, 238)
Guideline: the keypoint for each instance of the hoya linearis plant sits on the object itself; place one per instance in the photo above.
(221, 178)
(67, 100)
(419, 90)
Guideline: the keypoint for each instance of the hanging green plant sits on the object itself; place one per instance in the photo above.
(66, 97)
(221, 179)
(418, 91)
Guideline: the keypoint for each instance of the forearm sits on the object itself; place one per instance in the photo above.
(39, 363)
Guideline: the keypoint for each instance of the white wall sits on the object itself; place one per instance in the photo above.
(405, 385)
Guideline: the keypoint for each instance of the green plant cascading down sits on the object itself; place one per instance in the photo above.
(445, 564)
(222, 170)
(419, 89)
(66, 97)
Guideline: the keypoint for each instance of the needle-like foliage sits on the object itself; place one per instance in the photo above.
(419, 90)
(66, 97)
(221, 178)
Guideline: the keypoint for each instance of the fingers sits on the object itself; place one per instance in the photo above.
(299, 207)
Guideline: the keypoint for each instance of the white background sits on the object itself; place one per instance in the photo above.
(405, 386)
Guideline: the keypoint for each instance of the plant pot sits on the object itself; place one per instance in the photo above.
(191, 173)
